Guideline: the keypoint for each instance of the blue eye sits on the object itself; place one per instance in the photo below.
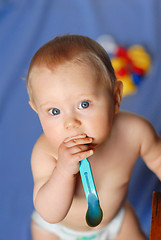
(84, 104)
(54, 111)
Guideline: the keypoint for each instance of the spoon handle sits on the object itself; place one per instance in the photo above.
(87, 178)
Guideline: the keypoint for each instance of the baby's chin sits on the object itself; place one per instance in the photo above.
(99, 142)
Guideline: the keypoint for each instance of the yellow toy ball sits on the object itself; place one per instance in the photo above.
(128, 86)
(140, 58)
(118, 63)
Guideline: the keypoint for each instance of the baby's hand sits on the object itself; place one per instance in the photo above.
(72, 151)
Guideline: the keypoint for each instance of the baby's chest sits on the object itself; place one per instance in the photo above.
(114, 173)
(110, 181)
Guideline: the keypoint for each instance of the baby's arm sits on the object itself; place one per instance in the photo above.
(54, 180)
(150, 145)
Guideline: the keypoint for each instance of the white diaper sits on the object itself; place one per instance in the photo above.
(109, 232)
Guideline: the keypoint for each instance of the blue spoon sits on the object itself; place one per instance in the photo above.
(94, 213)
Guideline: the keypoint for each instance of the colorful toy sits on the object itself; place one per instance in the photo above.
(130, 65)
(94, 213)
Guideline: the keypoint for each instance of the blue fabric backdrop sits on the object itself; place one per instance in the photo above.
(24, 26)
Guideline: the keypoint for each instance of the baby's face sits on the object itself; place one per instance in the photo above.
(70, 101)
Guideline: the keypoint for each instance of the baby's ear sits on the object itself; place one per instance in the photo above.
(117, 94)
(32, 105)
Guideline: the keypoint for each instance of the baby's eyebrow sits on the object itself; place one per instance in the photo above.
(88, 95)
(46, 104)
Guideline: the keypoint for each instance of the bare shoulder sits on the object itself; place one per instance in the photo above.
(129, 117)
(133, 122)
(43, 162)
(42, 155)
(141, 132)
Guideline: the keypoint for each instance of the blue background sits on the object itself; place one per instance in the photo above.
(24, 26)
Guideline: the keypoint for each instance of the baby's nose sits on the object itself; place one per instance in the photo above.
(72, 123)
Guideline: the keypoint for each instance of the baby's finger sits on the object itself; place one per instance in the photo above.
(79, 148)
(79, 141)
(81, 155)
(75, 137)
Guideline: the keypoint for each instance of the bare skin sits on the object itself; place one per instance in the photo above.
(87, 123)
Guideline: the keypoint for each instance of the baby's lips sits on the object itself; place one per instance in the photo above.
(75, 137)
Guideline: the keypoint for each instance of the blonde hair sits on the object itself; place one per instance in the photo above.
(75, 48)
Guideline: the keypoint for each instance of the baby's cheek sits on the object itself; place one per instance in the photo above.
(53, 136)
(102, 131)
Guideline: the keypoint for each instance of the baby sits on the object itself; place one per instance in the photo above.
(73, 89)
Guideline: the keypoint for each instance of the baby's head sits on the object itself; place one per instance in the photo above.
(73, 88)
(73, 48)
